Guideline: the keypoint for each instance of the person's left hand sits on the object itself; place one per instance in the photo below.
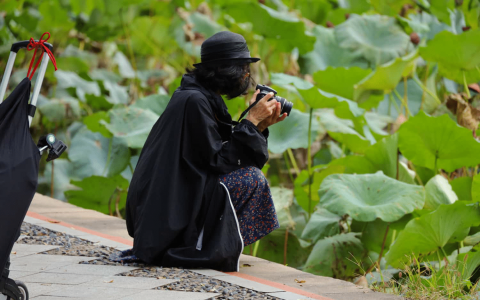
(273, 119)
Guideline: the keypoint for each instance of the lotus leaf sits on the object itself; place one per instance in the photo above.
(462, 187)
(95, 193)
(68, 79)
(321, 224)
(438, 191)
(383, 80)
(389, 7)
(156, 103)
(432, 231)
(476, 188)
(292, 133)
(132, 124)
(63, 173)
(93, 123)
(438, 143)
(327, 52)
(93, 154)
(370, 196)
(124, 67)
(339, 81)
(441, 9)
(286, 31)
(334, 256)
(342, 131)
(457, 55)
(376, 38)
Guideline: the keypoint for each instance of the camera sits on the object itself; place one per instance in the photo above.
(264, 90)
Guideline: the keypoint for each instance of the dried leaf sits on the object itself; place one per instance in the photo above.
(467, 115)
(246, 265)
(14, 252)
(299, 281)
(109, 281)
(52, 221)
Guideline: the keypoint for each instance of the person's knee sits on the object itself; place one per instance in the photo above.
(260, 178)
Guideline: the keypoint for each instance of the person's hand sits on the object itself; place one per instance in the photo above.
(263, 109)
(273, 119)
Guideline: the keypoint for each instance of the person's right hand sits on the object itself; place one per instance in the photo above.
(263, 109)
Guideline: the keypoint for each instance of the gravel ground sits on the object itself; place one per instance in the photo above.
(188, 281)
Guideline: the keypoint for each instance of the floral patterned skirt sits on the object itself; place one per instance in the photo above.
(253, 203)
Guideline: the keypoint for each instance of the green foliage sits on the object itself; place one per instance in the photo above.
(366, 100)
(370, 196)
(431, 232)
(438, 143)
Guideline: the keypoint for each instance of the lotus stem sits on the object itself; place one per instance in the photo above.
(285, 248)
(465, 85)
(309, 164)
(108, 156)
(425, 78)
(285, 157)
(407, 111)
(383, 245)
(426, 89)
(294, 162)
(390, 96)
(405, 96)
(255, 248)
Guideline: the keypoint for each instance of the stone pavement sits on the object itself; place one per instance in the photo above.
(52, 277)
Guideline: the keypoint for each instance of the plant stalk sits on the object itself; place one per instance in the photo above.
(309, 164)
(405, 95)
(465, 85)
(426, 90)
(255, 248)
(407, 111)
(294, 162)
(285, 248)
(383, 245)
(425, 78)
(288, 167)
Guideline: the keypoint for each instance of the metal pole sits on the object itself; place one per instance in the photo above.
(6, 75)
(38, 83)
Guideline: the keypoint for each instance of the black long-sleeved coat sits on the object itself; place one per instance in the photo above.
(178, 212)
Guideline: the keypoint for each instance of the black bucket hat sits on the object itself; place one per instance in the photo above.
(225, 46)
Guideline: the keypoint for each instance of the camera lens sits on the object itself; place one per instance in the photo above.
(286, 106)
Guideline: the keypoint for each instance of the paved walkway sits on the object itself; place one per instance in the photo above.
(50, 277)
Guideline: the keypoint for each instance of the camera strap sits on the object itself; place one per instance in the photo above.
(247, 110)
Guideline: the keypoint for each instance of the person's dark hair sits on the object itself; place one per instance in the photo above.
(231, 80)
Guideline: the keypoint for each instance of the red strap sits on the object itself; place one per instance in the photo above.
(35, 45)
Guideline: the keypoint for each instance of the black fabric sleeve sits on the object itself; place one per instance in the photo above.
(246, 147)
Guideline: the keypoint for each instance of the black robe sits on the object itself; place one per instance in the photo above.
(178, 212)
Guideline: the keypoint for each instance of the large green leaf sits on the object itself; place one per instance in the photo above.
(156, 103)
(442, 8)
(432, 231)
(93, 154)
(389, 7)
(285, 31)
(437, 192)
(342, 131)
(150, 35)
(132, 124)
(95, 193)
(334, 256)
(476, 188)
(93, 123)
(68, 79)
(340, 81)
(317, 98)
(376, 38)
(383, 80)
(438, 142)
(328, 53)
(63, 172)
(321, 224)
(462, 187)
(370, 196)
(292, 132)
(457, 55)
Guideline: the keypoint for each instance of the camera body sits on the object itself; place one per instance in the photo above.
(264, 90)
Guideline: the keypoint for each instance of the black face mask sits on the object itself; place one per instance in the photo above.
(242, 88)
